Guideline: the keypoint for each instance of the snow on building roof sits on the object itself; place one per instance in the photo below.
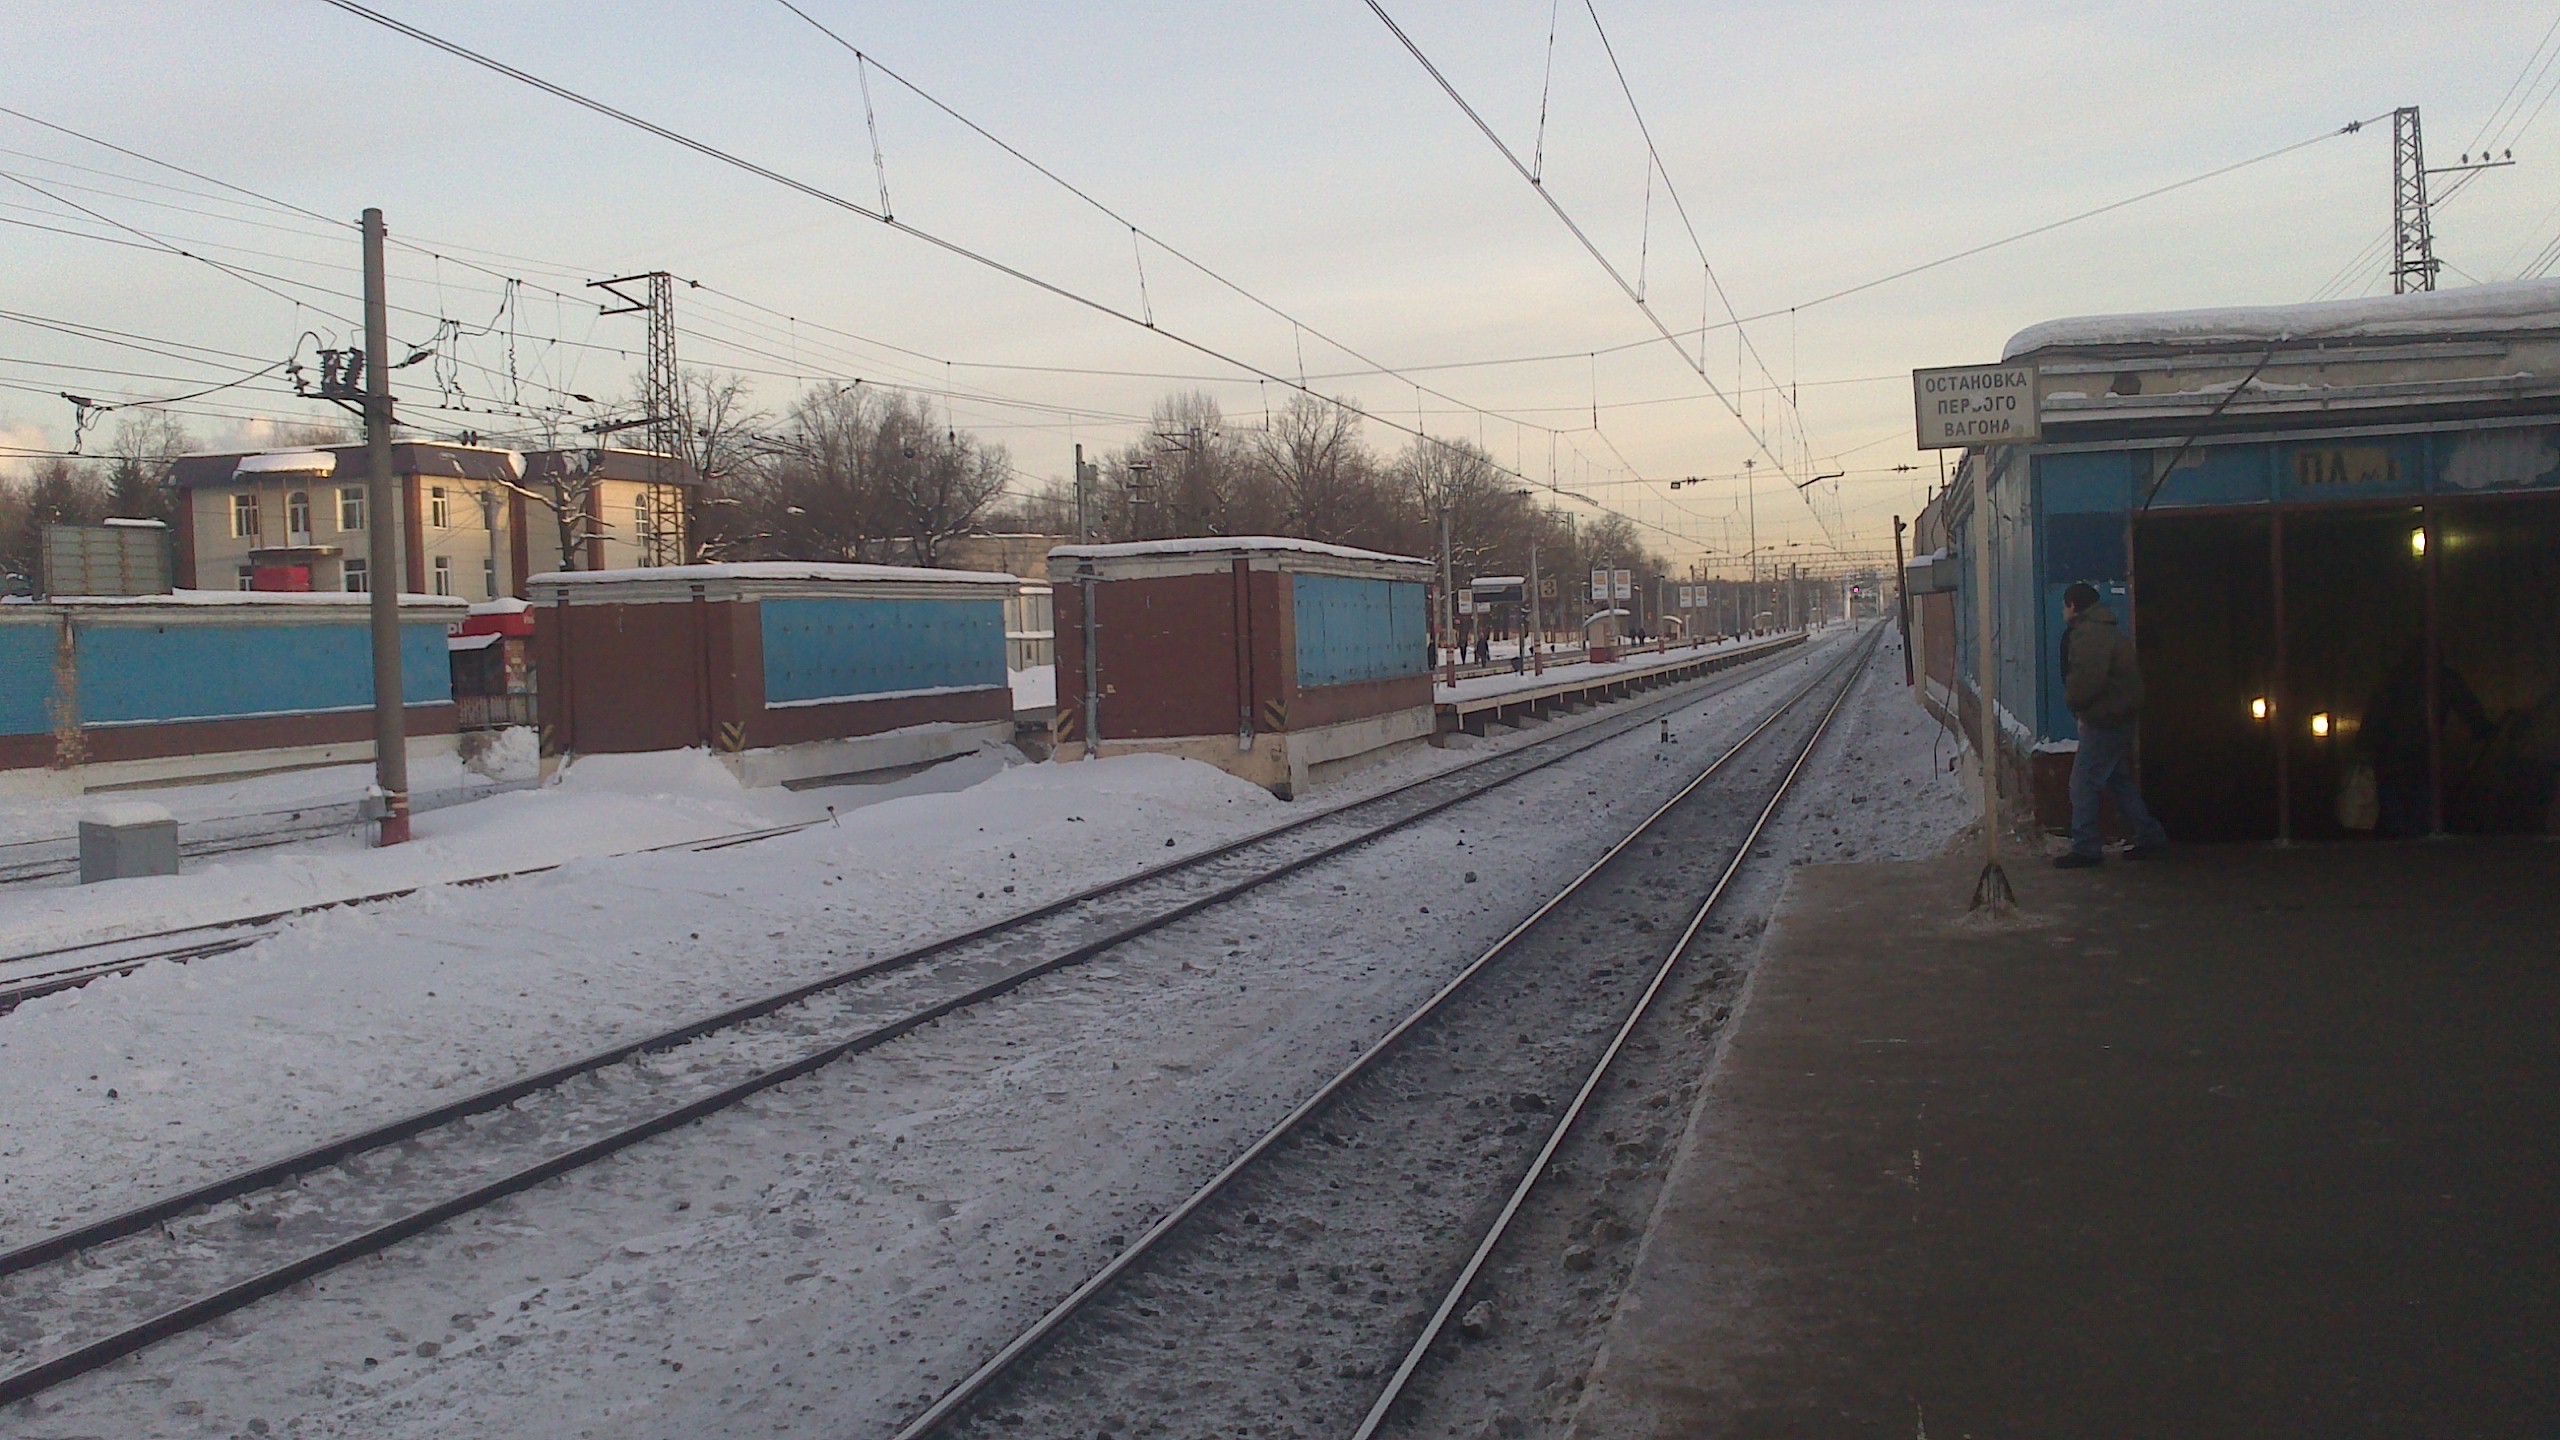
(286, 462)
(1226, 545)
(1496, 582)
(774, 570)
(503, 605)
(2514, 305)
(269, 598)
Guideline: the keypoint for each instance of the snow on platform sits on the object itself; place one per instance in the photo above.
(1576, 672)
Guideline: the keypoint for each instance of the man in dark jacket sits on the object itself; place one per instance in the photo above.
(2102, 682)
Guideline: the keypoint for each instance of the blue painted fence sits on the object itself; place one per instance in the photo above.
(142, 673)
(1352, 630)
(820, 650)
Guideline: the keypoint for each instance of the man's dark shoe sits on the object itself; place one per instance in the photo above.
(2146, 852)
(2077, 861)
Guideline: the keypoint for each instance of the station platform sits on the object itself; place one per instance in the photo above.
(1477, 702)
(2237, 1142)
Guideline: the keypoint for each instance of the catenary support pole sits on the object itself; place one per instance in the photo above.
(382, 549)
(1991, 891)
(1448, 601)
(1902, 603)
(1092, 627)
(1084, 530)
(1537, 619)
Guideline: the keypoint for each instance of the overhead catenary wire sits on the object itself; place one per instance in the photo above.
(931, 238)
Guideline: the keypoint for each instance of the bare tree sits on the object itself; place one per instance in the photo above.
(814, 493)
(58, 491)
(1325, 476)
(724, 431)
(565, 483)
(146, 443)
(932, 487)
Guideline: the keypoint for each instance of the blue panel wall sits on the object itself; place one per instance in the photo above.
(132, 674)
(844, 649)
(2206, 475)
(26, 674)
(1351, 630)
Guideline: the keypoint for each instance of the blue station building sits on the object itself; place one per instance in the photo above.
(2334, 532)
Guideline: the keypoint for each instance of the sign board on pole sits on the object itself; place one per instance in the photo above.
(1962, 405)
(1626, 586)
(1600, 586)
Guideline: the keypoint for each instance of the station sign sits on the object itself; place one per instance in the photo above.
(1960, 405)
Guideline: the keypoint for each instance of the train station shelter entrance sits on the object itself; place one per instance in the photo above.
(2334, 532)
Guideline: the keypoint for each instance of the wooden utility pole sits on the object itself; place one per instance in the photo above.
(382, 549)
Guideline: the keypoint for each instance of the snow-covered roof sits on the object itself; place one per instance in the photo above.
(1227, 545)
(2513, 305)
(128, 523)
(287, 462)
(774, 570)
(253, 599)
(1497, 582)
(503, 605)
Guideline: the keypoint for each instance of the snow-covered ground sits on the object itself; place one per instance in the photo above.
(814, 1261)
(439, 777)
(602, 805)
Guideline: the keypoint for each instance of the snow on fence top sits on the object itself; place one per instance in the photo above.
(774, 570)
(2514, 305)
(1227, 545)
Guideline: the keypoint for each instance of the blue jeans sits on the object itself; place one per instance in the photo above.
(2104, 767)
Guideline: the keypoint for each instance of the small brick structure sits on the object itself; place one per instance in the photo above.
(1283, 661)
(789, 671)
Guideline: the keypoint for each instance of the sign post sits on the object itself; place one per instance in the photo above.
(1992, 409)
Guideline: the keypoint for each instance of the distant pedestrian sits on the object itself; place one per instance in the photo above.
(2102, 682)
(1484, 647)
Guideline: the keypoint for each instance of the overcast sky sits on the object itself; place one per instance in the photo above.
(1298, 150)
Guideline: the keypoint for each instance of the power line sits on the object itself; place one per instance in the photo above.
(938, 241)
(1570, 224)
(1138, 231)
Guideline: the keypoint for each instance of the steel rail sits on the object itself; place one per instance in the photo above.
(143, 1217)
(952, 1401)
(1457, 1292)
(106, 1349)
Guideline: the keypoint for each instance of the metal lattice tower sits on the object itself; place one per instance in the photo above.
(2413, 249)
(664, 543)
(662, 535)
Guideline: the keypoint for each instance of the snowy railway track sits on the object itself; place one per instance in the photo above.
(1397, 1178)
(100, 1291)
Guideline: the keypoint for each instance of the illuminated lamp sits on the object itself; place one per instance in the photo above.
(2258, 708)
(2418, 542)
(2320, 725)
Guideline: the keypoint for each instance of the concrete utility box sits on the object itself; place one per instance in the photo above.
(789, 671)
(121, 557)
(127, 839)
(1283, 661)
